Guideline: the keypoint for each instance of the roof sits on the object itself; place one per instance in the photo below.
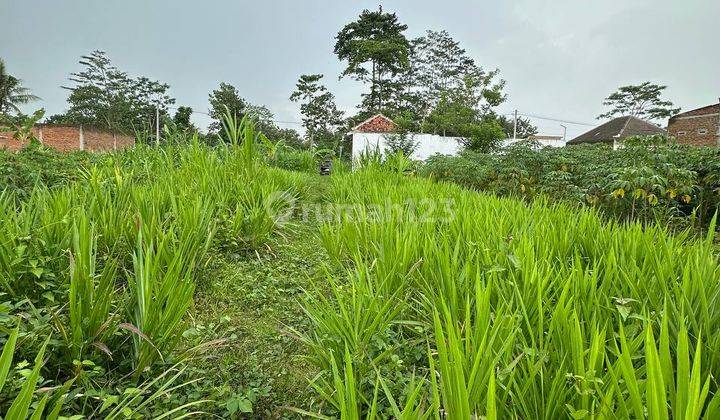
(618, 129)
(706, 110)
(378, 123)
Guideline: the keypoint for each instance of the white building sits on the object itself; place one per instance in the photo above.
(372, 134)
(544, 141)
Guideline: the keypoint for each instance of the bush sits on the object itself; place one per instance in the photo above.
(38, 165)
(646, 179)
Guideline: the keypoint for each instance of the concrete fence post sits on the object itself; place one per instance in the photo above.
(82, 138)
(40, 137)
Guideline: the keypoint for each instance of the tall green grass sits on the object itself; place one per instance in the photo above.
(440, 302)
(115, 258)
(521, 311)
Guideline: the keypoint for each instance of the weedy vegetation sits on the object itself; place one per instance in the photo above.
(192, 280)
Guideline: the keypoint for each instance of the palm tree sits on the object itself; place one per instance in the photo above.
(12, 93)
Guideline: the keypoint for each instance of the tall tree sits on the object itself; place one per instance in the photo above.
(12, 93)
(456, 115)
(523, 130)
(321, 118)
(376, 50)
(181, 119)
(224, 96)
(444, 66)
(104, 96)
(641, 101)
(265, 122)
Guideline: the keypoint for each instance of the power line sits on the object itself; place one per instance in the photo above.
(192, 110)
(511, 113)
(557, 120)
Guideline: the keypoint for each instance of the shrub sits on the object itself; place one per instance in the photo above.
(648, 178)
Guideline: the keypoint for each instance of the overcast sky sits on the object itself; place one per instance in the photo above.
(560, 58)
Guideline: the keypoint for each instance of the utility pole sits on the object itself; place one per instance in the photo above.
(564, 131)
(157, 124)
(515, 126)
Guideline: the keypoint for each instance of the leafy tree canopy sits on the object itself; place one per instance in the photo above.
(321, 118)
(442, 65)
(524, 129)
(641, 101)
(439, 67)
(12, 92)
(105, 96)
(181, 119)
(265, 123)
(452, 117)
(224, 96)
(375, 40)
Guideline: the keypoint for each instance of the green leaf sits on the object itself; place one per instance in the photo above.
(7, 355)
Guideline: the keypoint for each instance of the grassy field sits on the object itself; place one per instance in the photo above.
(190, 280)
(253, 301)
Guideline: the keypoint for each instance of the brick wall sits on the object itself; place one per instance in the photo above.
(66, 138)
(700, 127)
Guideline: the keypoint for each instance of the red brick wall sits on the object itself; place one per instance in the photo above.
(67, 138)
(687, 127)
(61, 138)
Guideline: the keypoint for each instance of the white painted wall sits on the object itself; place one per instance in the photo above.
(542, 142)
(428, 144)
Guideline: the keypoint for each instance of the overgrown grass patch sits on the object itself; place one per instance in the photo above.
(252, 300)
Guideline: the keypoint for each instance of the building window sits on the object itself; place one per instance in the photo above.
(702, 131)
(681, 133)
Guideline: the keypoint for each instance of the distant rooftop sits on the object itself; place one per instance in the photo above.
(618, 129)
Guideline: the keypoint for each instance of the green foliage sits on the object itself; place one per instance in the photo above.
(400, 142)
(12, 92)
(642, 101)
(452, 118)
(21, 126)
(225, 98)
(181, 119)
(108, 256)
(441, 67)
(90, 296)
(482, 137)
(523, 130)
(645, 179)
(107, 97)
(321, 118)
(513, 315)
(169, 276)
(264, 121)
(20, 406)
(376, 39)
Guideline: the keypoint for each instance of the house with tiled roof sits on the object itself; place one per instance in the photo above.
(372, 134)
(616, 130)
(378, 123)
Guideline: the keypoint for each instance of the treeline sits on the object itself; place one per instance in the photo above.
(425, 84)
(429, 83)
